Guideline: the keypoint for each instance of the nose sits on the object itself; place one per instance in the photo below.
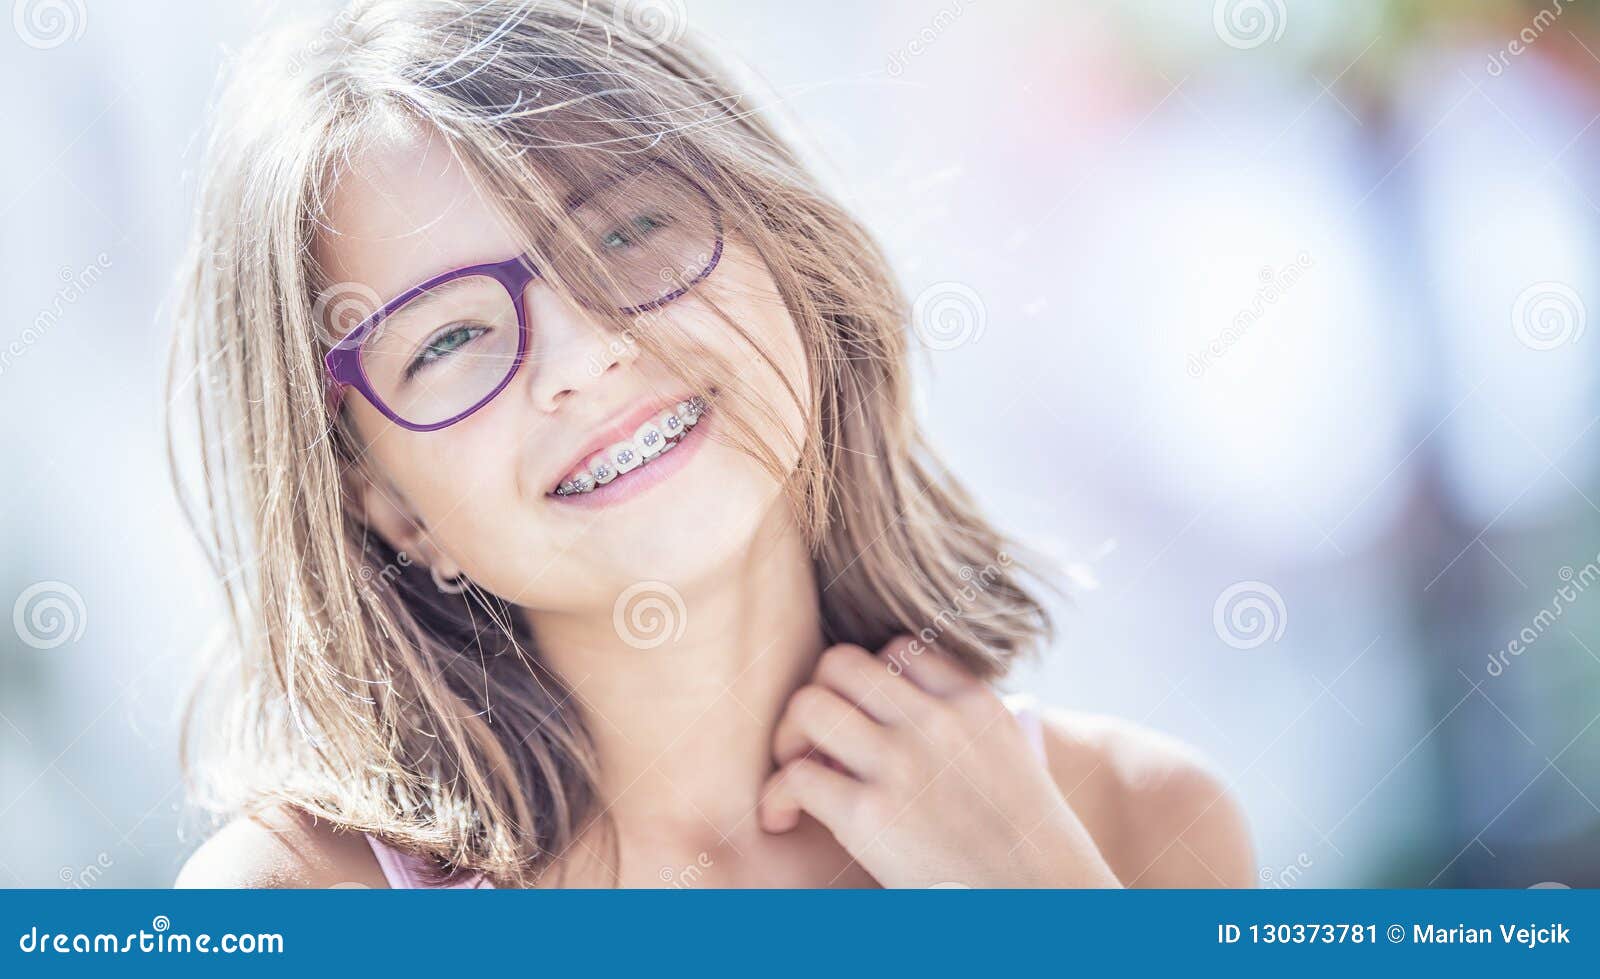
(569, 350)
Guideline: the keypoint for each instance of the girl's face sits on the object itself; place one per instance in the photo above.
(479, 497)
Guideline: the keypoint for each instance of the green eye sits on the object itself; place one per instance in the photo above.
(640, 227)
(442, 345)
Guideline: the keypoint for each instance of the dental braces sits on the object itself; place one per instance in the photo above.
(651, 442)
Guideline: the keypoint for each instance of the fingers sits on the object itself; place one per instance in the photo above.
(818, 717)
(929, 667)
(857, 713)
(806, 785)
(870, 682)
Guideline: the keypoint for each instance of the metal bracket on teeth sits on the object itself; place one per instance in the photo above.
(700, 408)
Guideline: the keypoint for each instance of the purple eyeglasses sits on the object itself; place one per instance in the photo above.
(442, 349)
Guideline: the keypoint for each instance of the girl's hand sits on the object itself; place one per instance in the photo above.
(923, 774)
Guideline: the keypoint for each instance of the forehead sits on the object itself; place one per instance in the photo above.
(403, 210)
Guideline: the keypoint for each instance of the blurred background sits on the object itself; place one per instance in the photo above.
(1281, 306)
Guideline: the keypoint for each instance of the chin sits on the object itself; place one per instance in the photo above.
(683, 533)
(696, 525)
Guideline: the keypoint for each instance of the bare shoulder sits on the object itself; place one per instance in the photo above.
(279, 848)
(1159, 812)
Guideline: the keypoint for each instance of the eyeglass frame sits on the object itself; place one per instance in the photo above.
(343, 360)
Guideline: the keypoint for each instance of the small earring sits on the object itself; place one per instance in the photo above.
(450, 586)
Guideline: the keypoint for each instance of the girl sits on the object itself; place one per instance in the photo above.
(560, 468)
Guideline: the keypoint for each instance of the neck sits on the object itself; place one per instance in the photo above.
(683, 730)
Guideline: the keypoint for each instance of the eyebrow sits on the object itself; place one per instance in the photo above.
(431, 296)
(422, 300)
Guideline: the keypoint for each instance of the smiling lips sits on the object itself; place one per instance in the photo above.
(654, 439)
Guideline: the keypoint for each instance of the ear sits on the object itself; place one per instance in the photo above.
(383, 509)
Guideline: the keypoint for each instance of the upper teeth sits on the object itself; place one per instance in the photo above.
(651, 440)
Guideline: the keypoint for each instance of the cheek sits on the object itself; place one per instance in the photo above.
(455, 481)
(785, 386)
(777, 364)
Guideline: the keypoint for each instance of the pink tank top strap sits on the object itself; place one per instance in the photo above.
(405, 870)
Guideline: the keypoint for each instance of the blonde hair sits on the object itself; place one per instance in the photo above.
(352, 689)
